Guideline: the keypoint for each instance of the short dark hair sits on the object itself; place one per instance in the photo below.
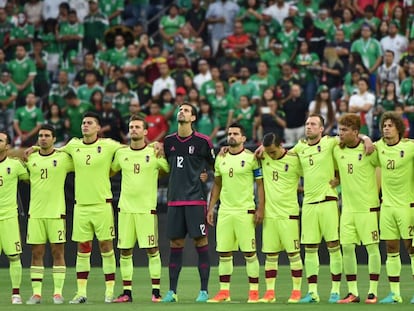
(136, 117)
(48, 127)
(239, 126)
(8, 138)
(271, 139)
(124, 81)
(71, 94)
(91, 114)
(193, 108)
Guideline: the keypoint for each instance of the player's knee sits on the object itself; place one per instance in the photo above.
(332, 244)
(126, 252)
(14, 257)
(85, 247)
(179, 243)
(151, 251)
(393, 246)
(106, 246)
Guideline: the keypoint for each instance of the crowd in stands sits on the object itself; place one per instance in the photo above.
(266, 64)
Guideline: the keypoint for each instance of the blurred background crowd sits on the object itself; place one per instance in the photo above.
(266, 64)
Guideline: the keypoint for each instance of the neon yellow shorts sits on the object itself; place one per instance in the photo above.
(280, 234)
(137, 227)
(42, 230)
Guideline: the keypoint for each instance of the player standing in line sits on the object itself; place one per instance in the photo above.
(360, 206)
(188, 153)
(281, 173)
(396, 156)
(237, 215)
(48, 169)
(11, 171)
(137, 220)
(320, 217)
(93, 213)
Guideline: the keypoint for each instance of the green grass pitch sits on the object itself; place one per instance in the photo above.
(188, 289)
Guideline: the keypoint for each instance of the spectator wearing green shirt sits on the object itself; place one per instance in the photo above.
(70, 35)
(170, 26)
(23, 73)
(95, 24)
(59, 90)
(23, 33)
(288, 37)
(132, 62)
(245, 115)
(117, 55)
(41, 81)
(308, 64)
(74, 113)
(275, 58)
(262, 79)
(223, 106)
(50, 45)
(123, 98)
(370, 50)
(8, 94)
(207, 122)
(250, 15)
(85, 91)
(111, 8)
(244, 87)
(5, 28)
(27, 122)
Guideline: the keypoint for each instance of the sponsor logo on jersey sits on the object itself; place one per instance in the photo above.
(172, 148)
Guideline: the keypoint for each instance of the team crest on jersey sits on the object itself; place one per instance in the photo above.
(99, 149)
(319, 148)
(54, 163)
(147, 158)
(286, 167)
(402, 153)
(359, 157)
(242, 163)
(8, 170)
(191, 149)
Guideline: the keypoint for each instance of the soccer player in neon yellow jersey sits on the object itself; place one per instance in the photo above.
(235, 175)
(396, 156)
(48, 169)
(360, 206)
(11, 171)
(93, 213)
(137, 220)
(320, 217)
(281, 173)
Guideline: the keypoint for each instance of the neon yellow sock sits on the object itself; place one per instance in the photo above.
(36, 274)
(15, 271)
(59, 274)
(253, 270)
(296, 268)
(393, 266)
(335, 264)
(154, 266)
(312, 268)
(109, 267)
(374, 267)
(271, 266)
(225, 272)
(83, 267)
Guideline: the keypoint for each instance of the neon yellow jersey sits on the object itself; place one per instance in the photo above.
(318, 168)
(92, 163)
(11, 171)
(238, 172)
(140, 168)
(397, 173)
(47, 184)
(281, 179)
(358, 178)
